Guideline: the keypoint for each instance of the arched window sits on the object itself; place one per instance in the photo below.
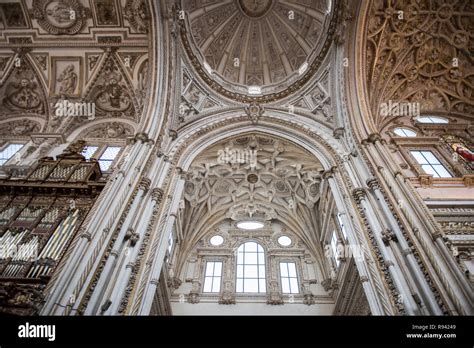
(404, 132)
(431, 119)
(251, 268)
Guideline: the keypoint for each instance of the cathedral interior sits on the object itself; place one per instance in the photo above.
(236, 157)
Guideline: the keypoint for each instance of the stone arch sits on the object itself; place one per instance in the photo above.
(193, 141)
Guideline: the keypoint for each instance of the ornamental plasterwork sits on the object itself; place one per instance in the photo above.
(278, 66)
(21, 92)
(112, 92)
(316, 101)
(109, 130)
(19, 128)
(252, 176)
(194, 99)
(60, 17)
(418, 52)
(109, 69)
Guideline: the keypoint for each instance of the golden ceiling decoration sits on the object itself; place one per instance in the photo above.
(420, 52)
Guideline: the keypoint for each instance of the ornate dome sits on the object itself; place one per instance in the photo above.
(256, 49)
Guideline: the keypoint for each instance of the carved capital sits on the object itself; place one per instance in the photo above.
(329, 173)
(132, 236)
(193, 297)
(227, 297)
(274, 298)
(142, 137)
(329, 284)
(174, 283)
(358, 194)
(373, 184)
(426, 180)
(157, 194)
(145, 184)
(308, 298)
(373, 138)
(468, 180)
(388, 235)
(85, 234)
(173, 134)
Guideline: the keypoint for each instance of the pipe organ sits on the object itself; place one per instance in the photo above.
(40, 214)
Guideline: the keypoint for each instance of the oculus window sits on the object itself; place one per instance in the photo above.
(216, 240)
(284, 241)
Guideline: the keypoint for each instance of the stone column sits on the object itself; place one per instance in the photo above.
(372, 291)
(130, 259)
(424, 288)
(126, 232)
(387, 255)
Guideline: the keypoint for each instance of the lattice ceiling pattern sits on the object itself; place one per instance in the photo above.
(421, 52)
(257, 43)
(252, 177)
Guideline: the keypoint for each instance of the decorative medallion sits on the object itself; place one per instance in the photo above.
(60, 17)
(255, 8)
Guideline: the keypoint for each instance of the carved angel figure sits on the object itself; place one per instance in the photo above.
(68, 80)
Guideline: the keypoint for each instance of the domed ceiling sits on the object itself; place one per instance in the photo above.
(257, 49)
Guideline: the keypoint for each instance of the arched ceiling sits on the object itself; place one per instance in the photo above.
(269, 44)
(253, 177)
(419, 52)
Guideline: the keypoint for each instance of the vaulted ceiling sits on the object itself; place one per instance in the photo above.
(271, 44)
(420, 52)
(253, 177)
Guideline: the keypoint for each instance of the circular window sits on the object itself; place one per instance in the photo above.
(284, 241)
(216, 240)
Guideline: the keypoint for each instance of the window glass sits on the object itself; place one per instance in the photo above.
(216, 240)
(288, 278)
(404, 132)
(343, 229)
(8, 152)
(334, 248)
(89, 151)
(430, 164)
(213, 276)
(284, 241)
(250, 268)
(431, 119)
(108, 157)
